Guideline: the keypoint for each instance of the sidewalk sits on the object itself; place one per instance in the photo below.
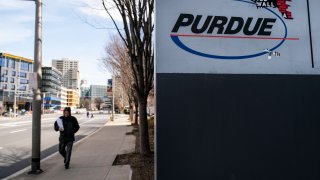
(92, 158)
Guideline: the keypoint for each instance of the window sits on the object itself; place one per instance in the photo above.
(12, 86)
(4, 79)
(24, 66)
(13, 73)
(22, 88)
(4, 86)
(23, 74)
(24, 81)
(30, 67)
(11, 80)
(12, 63)
(4, 72)
(2, 61)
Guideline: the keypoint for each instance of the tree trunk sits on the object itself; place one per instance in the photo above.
(143, 127)
(131, 113)
(136, 117)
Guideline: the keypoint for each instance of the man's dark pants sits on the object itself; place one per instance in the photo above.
(65, 149)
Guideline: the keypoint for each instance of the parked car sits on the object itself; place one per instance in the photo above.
(8, 114)
(126, 110)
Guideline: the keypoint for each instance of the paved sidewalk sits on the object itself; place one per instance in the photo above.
(92, 158)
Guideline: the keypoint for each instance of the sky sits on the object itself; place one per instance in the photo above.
(72, 29)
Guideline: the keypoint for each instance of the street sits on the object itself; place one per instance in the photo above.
(15, 138)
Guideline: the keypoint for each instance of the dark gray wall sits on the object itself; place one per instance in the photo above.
(238, 127)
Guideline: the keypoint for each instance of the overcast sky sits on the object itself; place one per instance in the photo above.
(74, 29)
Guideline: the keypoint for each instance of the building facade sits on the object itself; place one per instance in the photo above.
(84, 89)
(64, 97)
(51, 87)
(115, 89)
(70, 72)
(15, 72)
(98, 91)
(73, 98)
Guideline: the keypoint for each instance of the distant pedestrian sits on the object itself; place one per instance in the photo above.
(88, 114)
(67, 125)
(91, 114)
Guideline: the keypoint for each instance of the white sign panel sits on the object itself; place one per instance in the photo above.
(33, 81)
(237, 36)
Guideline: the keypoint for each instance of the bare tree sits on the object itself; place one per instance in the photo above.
(84, 103)
(137, 19)
(98, 101)
(118, 62)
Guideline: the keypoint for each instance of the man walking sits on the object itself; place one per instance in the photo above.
(67, 130)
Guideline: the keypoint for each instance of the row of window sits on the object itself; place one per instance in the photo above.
(12, 87)
(12, 80)
(11, 63)
(4, 72)
(51, 72)
(49, 82)
(55, 88)
(50, 77)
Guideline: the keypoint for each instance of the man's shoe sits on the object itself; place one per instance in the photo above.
(66, 166)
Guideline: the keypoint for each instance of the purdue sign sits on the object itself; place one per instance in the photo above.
(237, 89)
(268, 37)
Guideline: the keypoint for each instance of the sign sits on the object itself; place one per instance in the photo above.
(237, 37)
(33, 81)
(109, 85)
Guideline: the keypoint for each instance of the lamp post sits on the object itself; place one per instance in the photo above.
(36, 104)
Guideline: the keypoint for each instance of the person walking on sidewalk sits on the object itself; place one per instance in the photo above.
(67, 129)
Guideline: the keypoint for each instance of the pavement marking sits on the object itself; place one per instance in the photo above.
(88, 121)
(18, 131)
(22, 123)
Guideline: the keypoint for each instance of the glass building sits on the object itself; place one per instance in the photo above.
(14, 86)
(98, 91)
(51, 88)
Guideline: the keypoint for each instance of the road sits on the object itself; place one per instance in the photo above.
(15, 139)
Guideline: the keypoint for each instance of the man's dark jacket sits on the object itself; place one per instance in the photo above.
(70, 125)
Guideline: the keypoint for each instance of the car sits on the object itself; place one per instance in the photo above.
(8, 114)
(126, 110)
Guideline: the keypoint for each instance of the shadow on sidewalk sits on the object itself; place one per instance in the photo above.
(18, 163)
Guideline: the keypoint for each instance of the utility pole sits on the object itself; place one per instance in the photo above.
(15, 108)
(113, 94)
(43, 101)
(36, 104)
